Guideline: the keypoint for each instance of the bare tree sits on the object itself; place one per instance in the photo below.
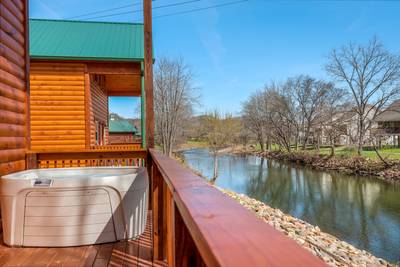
(254, 112)
(245, 135)
(283, 117)
(173, 100)
(333, 115)
(310, 96)
(221, 131)
(371, 74)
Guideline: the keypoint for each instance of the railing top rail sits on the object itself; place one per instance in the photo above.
(88, 151)
(88, 154)
(225, 233)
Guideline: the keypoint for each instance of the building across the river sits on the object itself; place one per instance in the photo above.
(123, 131)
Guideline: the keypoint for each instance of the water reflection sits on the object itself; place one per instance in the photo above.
(364, 212)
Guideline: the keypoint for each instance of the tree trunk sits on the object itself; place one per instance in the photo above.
(360, 136)
(215, 168)
(380, 157)
(306, 136)
(261, 145)
(332, 150)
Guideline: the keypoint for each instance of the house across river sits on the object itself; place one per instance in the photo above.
(123, 131)
(389, 124)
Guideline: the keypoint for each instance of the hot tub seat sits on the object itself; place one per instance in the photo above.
(73, 206)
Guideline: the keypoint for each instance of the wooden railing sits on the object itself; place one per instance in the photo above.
(120, 147)
(194, 224)
(85, 158)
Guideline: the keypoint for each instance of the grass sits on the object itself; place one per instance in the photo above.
(390, 153)
(193, 144)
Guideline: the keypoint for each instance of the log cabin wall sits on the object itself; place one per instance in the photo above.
(57, 104)
(99, 106)
(13, 85)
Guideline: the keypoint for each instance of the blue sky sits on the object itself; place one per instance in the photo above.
(235, 50)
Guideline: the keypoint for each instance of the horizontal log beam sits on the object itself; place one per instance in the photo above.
(12, 166)
(89, 155)
(114, 68)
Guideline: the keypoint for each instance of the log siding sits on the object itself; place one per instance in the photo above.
(13, 85)
(57, 104)
(99, 106)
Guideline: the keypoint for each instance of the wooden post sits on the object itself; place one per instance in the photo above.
(158, 213)
(142, 106)
(27, 77)
(170, 225)
(148, 72)
(185, 251)
(31, 161)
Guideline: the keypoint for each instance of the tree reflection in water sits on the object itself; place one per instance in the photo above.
(364, 212)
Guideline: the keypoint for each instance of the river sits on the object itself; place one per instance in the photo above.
(363, 211)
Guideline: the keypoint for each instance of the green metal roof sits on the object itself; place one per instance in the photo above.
(121, 126)
(84, 40)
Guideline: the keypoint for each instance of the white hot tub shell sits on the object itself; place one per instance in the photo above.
(73, 206)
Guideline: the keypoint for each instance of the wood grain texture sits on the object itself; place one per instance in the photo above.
(114, 68)
(13, 85)
(123, 85)
(76, 157)
(87, 111)
(135, 252)
(57, 104)
(224, 232)
(148, 71)
(98, 108)
(99, 102)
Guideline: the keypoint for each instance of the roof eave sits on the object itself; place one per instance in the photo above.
(35, 57)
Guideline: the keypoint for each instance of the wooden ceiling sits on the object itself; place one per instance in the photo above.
(122, 79)
(123, 85)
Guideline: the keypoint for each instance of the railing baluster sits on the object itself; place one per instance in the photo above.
(78, 159)
(158, 233)
(170, 226)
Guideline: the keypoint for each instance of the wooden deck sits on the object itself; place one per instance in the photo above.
(137, 252)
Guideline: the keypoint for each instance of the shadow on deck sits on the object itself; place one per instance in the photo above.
(136, 252)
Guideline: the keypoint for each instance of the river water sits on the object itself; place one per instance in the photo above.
(363, 211)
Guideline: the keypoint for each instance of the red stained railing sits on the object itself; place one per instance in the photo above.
(194, 224)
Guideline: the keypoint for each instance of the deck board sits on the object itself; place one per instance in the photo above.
(129, 253)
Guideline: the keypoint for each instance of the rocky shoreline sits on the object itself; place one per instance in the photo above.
(356, 165)
(327, 247)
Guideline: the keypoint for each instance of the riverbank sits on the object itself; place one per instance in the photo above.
(354, 165)
(325, 246)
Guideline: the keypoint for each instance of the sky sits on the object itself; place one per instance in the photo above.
(235, 50)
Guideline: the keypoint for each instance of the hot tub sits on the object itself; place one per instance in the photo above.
(73, 206)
